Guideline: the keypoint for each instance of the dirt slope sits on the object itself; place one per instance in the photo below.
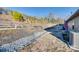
(47, 43)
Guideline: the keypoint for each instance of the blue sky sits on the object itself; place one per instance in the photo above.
(63, 12)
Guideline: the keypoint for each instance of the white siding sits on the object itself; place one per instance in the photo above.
(74, 22)
(70, 24)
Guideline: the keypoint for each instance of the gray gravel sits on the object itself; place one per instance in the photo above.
(19, 44)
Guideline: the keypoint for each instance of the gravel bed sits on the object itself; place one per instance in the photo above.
(20, 43)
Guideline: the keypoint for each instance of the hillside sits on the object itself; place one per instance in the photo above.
(15, 18)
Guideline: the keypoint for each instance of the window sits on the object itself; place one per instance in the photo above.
(72, 27)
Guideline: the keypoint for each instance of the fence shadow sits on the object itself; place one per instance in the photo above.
(55, 31)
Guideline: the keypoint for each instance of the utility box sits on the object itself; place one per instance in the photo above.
(74, 40)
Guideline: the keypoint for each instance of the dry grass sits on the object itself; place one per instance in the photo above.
(47, 43)
(8, 36)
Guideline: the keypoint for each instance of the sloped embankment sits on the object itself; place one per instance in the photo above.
(14, 40)
(10, 35)
(47, 43)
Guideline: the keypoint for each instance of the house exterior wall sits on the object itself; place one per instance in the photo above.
(70, 24)
(74, 22)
